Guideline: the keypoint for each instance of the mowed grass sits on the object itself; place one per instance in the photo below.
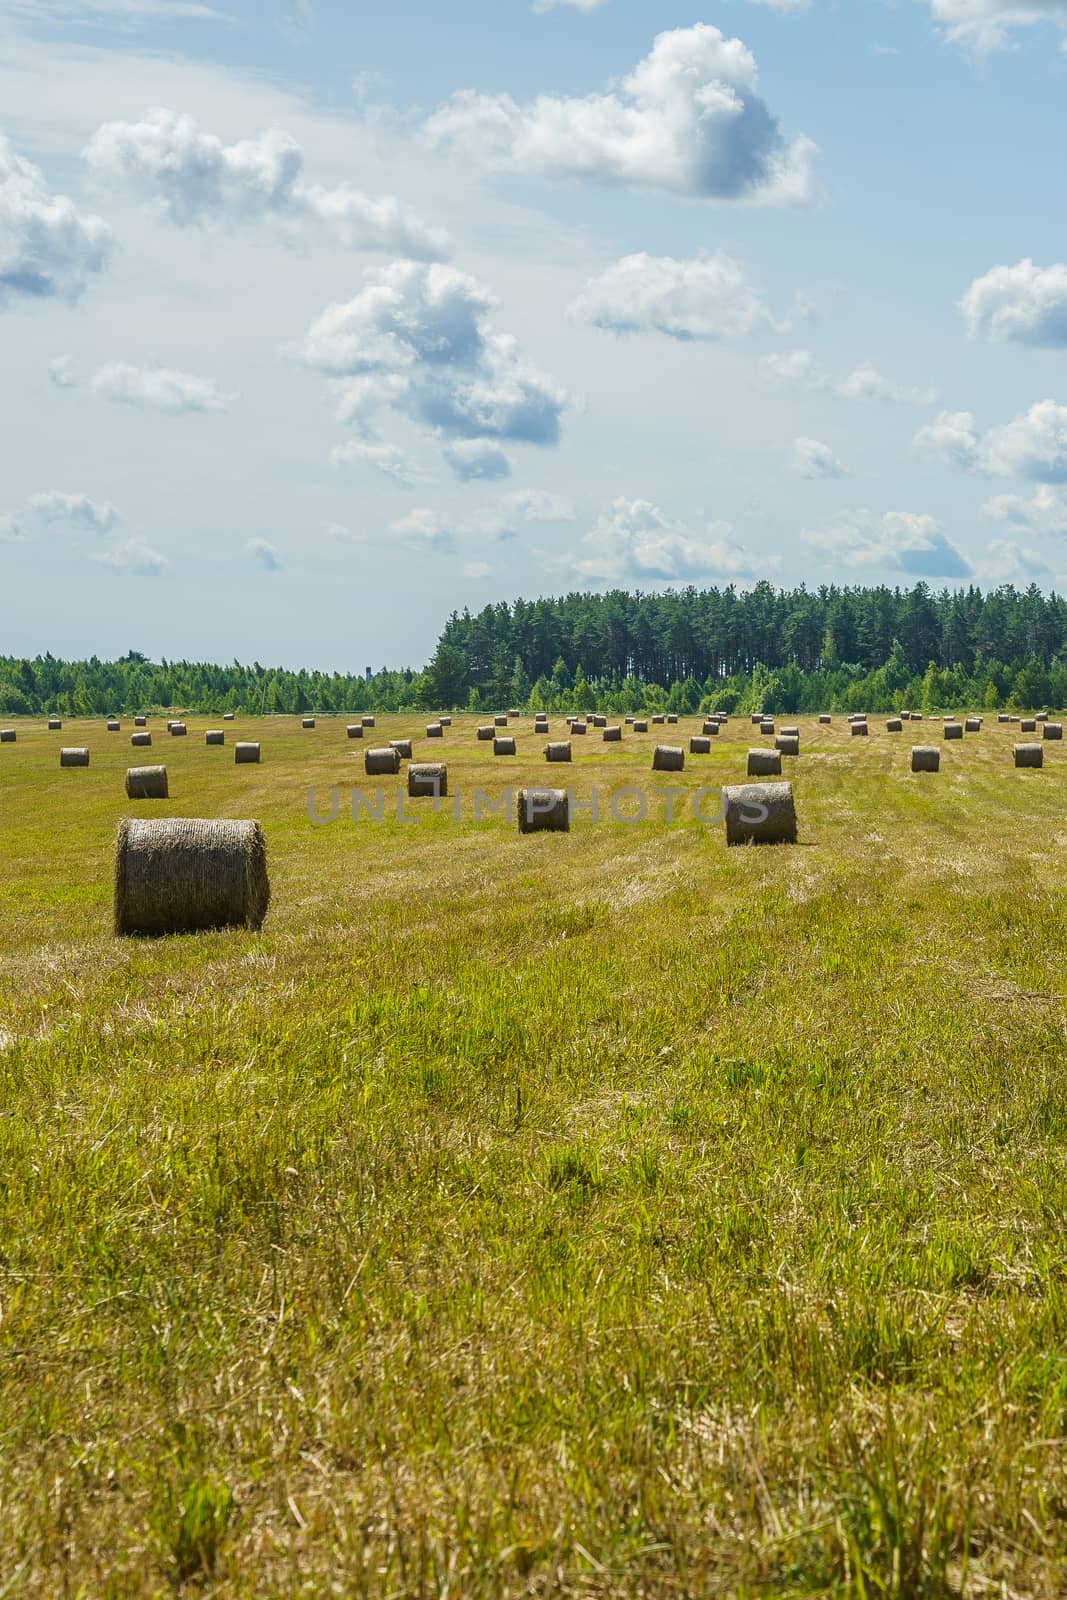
(608, 1213)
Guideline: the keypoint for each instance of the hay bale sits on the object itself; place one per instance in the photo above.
(1052, 730)
(380, 762)
(74, 756)
(764, 764)
(760, 813)
(140, 722)
(895, 725)
(355, 730)
(787, 744)
(307, 722)
(905, 716)
(402, 747)
(504, 747)
(7, 736)
(824, 717)
(640, 724)
(513, 711)
(671, 719)
(1041, 716)
(187, 875)
(916, 716)
(1013, 719)
(710, 727)
(434, 730)
(1028, 725)
(699, 745)
(629, 721)
(953, 730)
(486, 732)
(600, 722)
(756, 718)
(500, 722)
(544, 811)
(427, 778)
(245, 754)
(178, 730)
(612, 735)
(113, 726)
(54, 724)
(1002, 716)
(147, 783)
(560, 751)
(790, 733)
(227, 716)
(446, 722)
(659, 718)
(578, 727)
(973, 724)
(1029, 755)
(139, 740)
(859, 730)
(668, 758)
(215, 736)
(766, 727)
(368, 722)
(925, 758)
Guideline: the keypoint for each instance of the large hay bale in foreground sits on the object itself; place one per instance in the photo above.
(427, 778)
(1029, 755)
(245, 754)
(559, 751)
(215, 736)
(668, 758)
(953, 730)
(355, 730)
(760, 813)
(140, 740)
(788, 744)
(1052, 730)
(544, 811)
(7, 736)
(487, 732)
(764, 764)
(186, 875)
(504, 747)
(147, 783)
(925, 758)
(381, 762)
(74, 756)
(699, 744)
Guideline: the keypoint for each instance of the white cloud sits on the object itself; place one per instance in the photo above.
(474, 459)
(155, 388)
(61, 373)
(1033, 445)
(75, 510)
(196, 180)
(135, 558)
(1023, 304)
(799, 369)
(126, 11)
(867, 383)
(707, 297)
(264, 554)
(573, 5)
(1005, 561)
(811, 458)
(953, 436)
(423, 529)
(686, 121)
(985, 25)
(387, 459)
(900, 541)
(1045, 512)
(48, 249)
(633, 541)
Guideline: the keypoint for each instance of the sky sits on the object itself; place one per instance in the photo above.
(321, 321)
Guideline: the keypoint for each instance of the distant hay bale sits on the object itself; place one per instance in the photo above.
(953, 730)
(513, 711)
(859, 730)
(486, 732)
(139, 740)
(434, 730)
(559, 751)
(699, 745)
(916, 716)
(1013, 719)
(7, 736)
(215, 736)
(787, 744)
(377, 763)
(140, 722)
(659, 718)
(1052, 730)
(925, 758)
(790, 732)
(671, 718)
(227, 716)
(1002, 716)
(905, 716)
(188, 875)
(54, 724)
(578, 727)
(113, 726)
(764, 763)
(973, 724)
(668, 758)
(245, 754)
(307, 722)
(504, 747)
(756, 718)
(74, 756)
(760, 813)
(500, 722)
(402, 748)
(600, 722)
(368, 722)
(612, 735)
(766, 727)
(427, 778)
(895, 725)
(1029, 755)
(1028, 725)
(640, 724)
(710, 727)
(146, 783)
(1041, 716)
(544, 811)
(178, 730)
(446, 722)
(628, 721)
(354, 730)
(824, 717)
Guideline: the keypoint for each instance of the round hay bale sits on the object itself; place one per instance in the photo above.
(756, 718)
(1002, 716)
(500, 722)
(139, 740)
(427, 778)
(187, 875)
(1041, 716)
(140, 722)
(668, 758)
(629, 721)
(7, 736)
(307, 722)
(560, 751)
(659, 719)
(74, 756)
(578, 727)
(700, 744)
(513, 711)
(402, 747)
(895, 725)
(760, 813)
(541, 725)
(1028, 725)
(54, 724)
(227, 716)
(710, 727)
(671, 719)
(916, 716)
(973, 724)
(1029, 755)
(380, 762)
(355, 730)
(147, 783)
(602, 722)
(446, 722)
(859, 730)
(504, 747)
(925, 758)
(368, 722)
(434, 730)
(766, 727)
(905, 716)
(245, 754)
(612, 735)
(1052, 730)
(544, 811)
(215, 736)
(790, 733)
(953, 730)
(113, 726)
(764, 763)
(787, 744)
(825, 717)
(178, 730)
(486, 732)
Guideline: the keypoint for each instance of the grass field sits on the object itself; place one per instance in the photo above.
(602, 1213)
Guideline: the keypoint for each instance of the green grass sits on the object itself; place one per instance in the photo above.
(600, 1214)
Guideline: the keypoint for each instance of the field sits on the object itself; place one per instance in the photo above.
(602, 1213)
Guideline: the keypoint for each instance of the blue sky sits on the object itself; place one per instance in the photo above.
(319, 322)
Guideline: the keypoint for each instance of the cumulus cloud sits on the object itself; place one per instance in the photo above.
(423, 529)
(196, 180)
(387, 459)
(264, 554)
(1033, 445)
(707, 298)
(1023, 304)
(135, 558)
(1045, 512)
(474, 459)
(1006, 561)
(156, 388)
(985, 25)
(73, 510)
(417, 339)
(48, 249)
(811, 458)
(632, 541)
(900, 541)
(686, 121)
(798, 369)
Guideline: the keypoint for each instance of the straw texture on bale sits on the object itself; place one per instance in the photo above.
(764, 763)
(925, 758)
(178, 730)
(699, 745)
(488, 732)
(187, 875)
(973, 724)
(1028, 725)
(140, 740)
(1029, 755)
(788, 744)
(7, 736)
(504, 747)
(760, 813)
(602, 722)
(74, 756)
(612, 735)
(355, 730)
(379, 762)
(640, 724)
(544, 811)
(245, 753)
(1052, 730)
(54, 724)
(578, 727)
(953, 730)
(895, 725)
(560, 751)
(402, 748)
(307, 722)
(434, 730)
(859, 730)
(668, 758)
(427, 778)
(215, 736)
(766, 726)
(113, 726)
(146, 783)
(790, 733)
